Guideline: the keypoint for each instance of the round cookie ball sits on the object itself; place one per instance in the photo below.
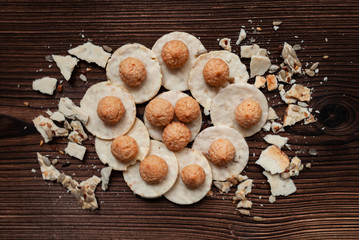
(193, 176)
(176, 136)
(221, 152)
(153, 169)
(124, 148)
(175, 54)
(110, 110)
(159, 112)
(248, 113)
(132, 71)
(187, 109)
(216, 72)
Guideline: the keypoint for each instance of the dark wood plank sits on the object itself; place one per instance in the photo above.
(326, 204)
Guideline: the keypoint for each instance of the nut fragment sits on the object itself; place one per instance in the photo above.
(26, 104)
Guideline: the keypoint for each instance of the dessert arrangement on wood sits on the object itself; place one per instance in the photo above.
(172, 152)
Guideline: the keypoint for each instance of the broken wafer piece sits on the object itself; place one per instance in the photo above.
(293, 168)
(290, 58)
(75, 150)
(310, 119)
(223, 186)
(91, 54)
(259, 65)
(86, 194)
(272, 115)
(45, 85)
(280, 187)
(276, 140)
(299, 92)
(48, 171)
(105, 177)
(272, 159)
(68, 108)
(225, 43)
(260, 82)
(242, 35)
(284, 96)
(284, 76)
(47, 128)
(66, 64)
(243, 189)
(78, 134)
(277, 127)
(272, 83)
(57, 116)
(294, 114)
(249, 51)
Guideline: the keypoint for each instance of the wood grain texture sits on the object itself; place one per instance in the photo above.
(326, 204)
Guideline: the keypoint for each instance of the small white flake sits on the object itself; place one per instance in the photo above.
(275, 28)
(83, 77)
(33, 170)
(45, 85)
(242, 35)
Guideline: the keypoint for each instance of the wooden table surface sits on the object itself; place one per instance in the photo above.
(326, 204)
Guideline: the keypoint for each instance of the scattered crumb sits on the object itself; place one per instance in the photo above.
(83, 77)
(308, 165)
(244, 212)
(272, 199)
(313, 152)
(258, 219)
(225, 43)
(242, 35)
(26, 104)
(33, 170)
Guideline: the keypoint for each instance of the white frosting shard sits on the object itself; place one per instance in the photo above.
(48, 171)
(78, 134)
(47, 128)
(75, 150)
(66, 64)
(259, 65)
(45, 85)
(71, 111)
(91, 54)
(242, 35)
(105, 177)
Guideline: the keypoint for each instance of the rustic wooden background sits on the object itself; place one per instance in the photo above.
(326, 204)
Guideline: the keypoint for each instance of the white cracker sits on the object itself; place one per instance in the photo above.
(273, 160)
(140, 187)
(276, 140)
(259, 65)
(173, 97)
(139, 133)
(45, 85)
(180, 193)
(89, 104)
(176, 79)
(75, 150)
(225, 104)
(205, 93)
(91, 53)
(152, 83)
(68, 108)
(66, 64)
(280, 187)
(204, 140)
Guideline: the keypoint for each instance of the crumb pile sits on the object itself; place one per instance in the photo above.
(153, 153)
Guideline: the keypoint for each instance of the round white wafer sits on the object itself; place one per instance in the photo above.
(173, 97)
(180, 193)
(204, 140)
(140, 187)
(225, 103)
(152, 83)
(176, 79)
(89, 104)
(139, 133)
(203, 92)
